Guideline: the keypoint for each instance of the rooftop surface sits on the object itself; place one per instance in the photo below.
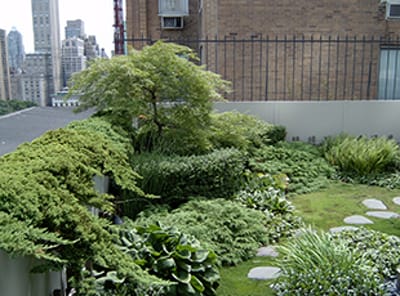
(26, 125)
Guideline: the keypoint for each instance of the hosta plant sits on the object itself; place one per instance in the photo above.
(231, 230)
(266, 194)
(173, 256)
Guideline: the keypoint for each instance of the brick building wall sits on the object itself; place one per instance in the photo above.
(267, 68)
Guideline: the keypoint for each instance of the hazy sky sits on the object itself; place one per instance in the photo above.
(98, 16)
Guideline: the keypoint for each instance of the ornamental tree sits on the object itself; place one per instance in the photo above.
(161, 85)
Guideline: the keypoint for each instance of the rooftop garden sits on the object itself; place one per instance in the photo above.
(193, 194)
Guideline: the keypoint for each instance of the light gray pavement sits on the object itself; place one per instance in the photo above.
(26, 125)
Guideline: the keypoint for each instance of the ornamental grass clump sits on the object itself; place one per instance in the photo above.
(315, 264)
(362, 157)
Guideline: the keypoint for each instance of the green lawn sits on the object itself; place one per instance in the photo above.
(323, 209)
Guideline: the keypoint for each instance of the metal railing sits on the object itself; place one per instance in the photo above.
(299, 68)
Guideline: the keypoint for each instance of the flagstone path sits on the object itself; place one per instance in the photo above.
(377, 209)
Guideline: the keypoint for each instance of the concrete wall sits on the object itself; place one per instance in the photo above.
(16, 279)
(306, 120)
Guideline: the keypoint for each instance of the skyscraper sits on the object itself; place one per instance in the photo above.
(73, 59)
(75, 28)
(46, 29)
(5, 84)
(16, 51)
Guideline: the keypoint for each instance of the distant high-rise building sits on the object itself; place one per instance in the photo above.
(16, 52)
(92, 49)
(46, 29)
(5, 83)
(75, 28)
(34, 82)
(73, 58)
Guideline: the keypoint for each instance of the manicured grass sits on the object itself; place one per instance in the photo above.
(234, 281)
(327, 208)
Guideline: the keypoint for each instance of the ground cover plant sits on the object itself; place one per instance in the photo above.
(302, 163)
(231, 230)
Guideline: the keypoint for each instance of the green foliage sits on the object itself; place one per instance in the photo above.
(175, 178)
(159, 85)
(302, 163)
(173, 256)
(46, 189)
(238, 130)
(231, 230)
(314, 264)
(265, 193)
(378, 247)
(14, 105)
(277, 134)
(362, 156)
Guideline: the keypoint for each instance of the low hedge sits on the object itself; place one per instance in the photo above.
(174, 178)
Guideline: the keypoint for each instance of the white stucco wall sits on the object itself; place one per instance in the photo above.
(306, 119)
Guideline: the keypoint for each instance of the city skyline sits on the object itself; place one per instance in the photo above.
(97, 15)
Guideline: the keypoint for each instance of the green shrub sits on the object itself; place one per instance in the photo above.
(380, 248)
(238, 130)
(265, 193)
(14, 105)
(362, 156)
(173, 256)
(306, 169)
(276, 134)
(231, 230)
(314, 264)
(175, 178)
(46, 188)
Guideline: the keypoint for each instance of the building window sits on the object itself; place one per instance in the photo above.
(389, 74)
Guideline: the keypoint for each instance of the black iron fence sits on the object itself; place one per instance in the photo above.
(298, 68)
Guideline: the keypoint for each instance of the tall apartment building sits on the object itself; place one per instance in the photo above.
(16, 51)
(47, 45)
(5, 84)
(272, 50)
(75, 28)
(73, 58)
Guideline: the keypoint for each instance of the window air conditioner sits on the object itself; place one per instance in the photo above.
(171, 22)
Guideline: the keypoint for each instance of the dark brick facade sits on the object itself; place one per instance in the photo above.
(253, 67)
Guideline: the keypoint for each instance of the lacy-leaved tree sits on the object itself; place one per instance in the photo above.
(161, 86)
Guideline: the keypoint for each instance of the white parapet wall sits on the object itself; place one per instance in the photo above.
(16, 278)
(314, 120)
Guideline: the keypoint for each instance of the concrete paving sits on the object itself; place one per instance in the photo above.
(26, 125)
(383, 214)
(396, 200)
(374, 204)
(264, 273)
(357, 219)
(269, 251)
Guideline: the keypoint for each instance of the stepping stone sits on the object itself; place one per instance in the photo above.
(264, 273)
(383, 214)
(357, 219)
(396, 200)
(374, 204)
(267, 252)
(342, 228)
